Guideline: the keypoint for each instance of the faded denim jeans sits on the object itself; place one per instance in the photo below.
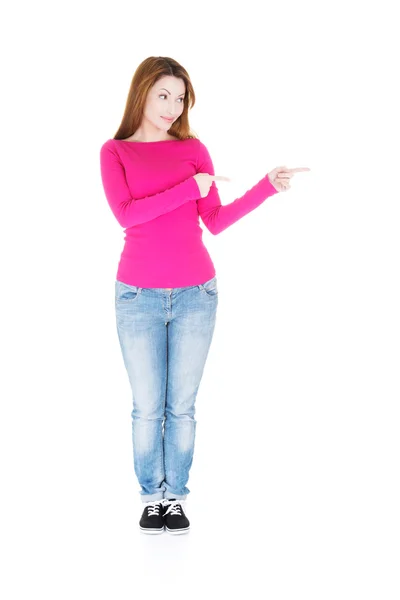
(165, 336)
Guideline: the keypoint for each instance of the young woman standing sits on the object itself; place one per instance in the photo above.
(158, 178)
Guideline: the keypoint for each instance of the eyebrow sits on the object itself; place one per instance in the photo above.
(170, 92)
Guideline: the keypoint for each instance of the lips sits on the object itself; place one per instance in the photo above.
(167, 119)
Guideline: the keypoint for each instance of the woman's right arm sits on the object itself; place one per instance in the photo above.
(133, 211)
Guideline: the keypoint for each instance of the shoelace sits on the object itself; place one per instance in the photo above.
(174, 507)
(153, 507)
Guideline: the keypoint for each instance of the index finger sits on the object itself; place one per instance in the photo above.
(219, 178)
(297, 169)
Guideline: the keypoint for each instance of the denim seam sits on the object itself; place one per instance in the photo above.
(164, 403)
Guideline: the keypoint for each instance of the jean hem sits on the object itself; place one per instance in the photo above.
(170, 495)
(152, 497)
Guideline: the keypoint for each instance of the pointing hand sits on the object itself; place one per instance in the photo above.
(280, 177)
(204, 181)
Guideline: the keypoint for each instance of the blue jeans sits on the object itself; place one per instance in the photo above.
(165, 337)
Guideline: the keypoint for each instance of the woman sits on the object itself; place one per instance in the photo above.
(158, 179)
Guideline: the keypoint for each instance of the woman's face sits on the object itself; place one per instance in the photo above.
(165, 99)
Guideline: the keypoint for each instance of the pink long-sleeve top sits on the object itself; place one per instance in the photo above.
(152, 193)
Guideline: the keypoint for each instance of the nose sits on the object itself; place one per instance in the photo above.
(171, 111)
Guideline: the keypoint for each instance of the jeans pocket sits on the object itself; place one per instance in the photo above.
(125, 293)
(210, 287)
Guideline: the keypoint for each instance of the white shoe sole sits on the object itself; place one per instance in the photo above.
(151, 531)
(177, 531)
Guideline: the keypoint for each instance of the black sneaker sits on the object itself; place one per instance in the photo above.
(152, 520)
(174, 518)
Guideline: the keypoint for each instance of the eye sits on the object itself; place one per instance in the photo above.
(165, 95)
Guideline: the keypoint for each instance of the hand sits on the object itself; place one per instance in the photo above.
(204, 181)
(280, 177)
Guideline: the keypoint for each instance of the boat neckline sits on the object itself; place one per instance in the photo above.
(152, 142)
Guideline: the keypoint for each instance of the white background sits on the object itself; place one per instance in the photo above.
(295, 479)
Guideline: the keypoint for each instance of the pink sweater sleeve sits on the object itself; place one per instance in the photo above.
(217, 217)
(133, 211)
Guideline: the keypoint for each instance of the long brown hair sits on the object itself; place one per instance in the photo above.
(145, 76)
